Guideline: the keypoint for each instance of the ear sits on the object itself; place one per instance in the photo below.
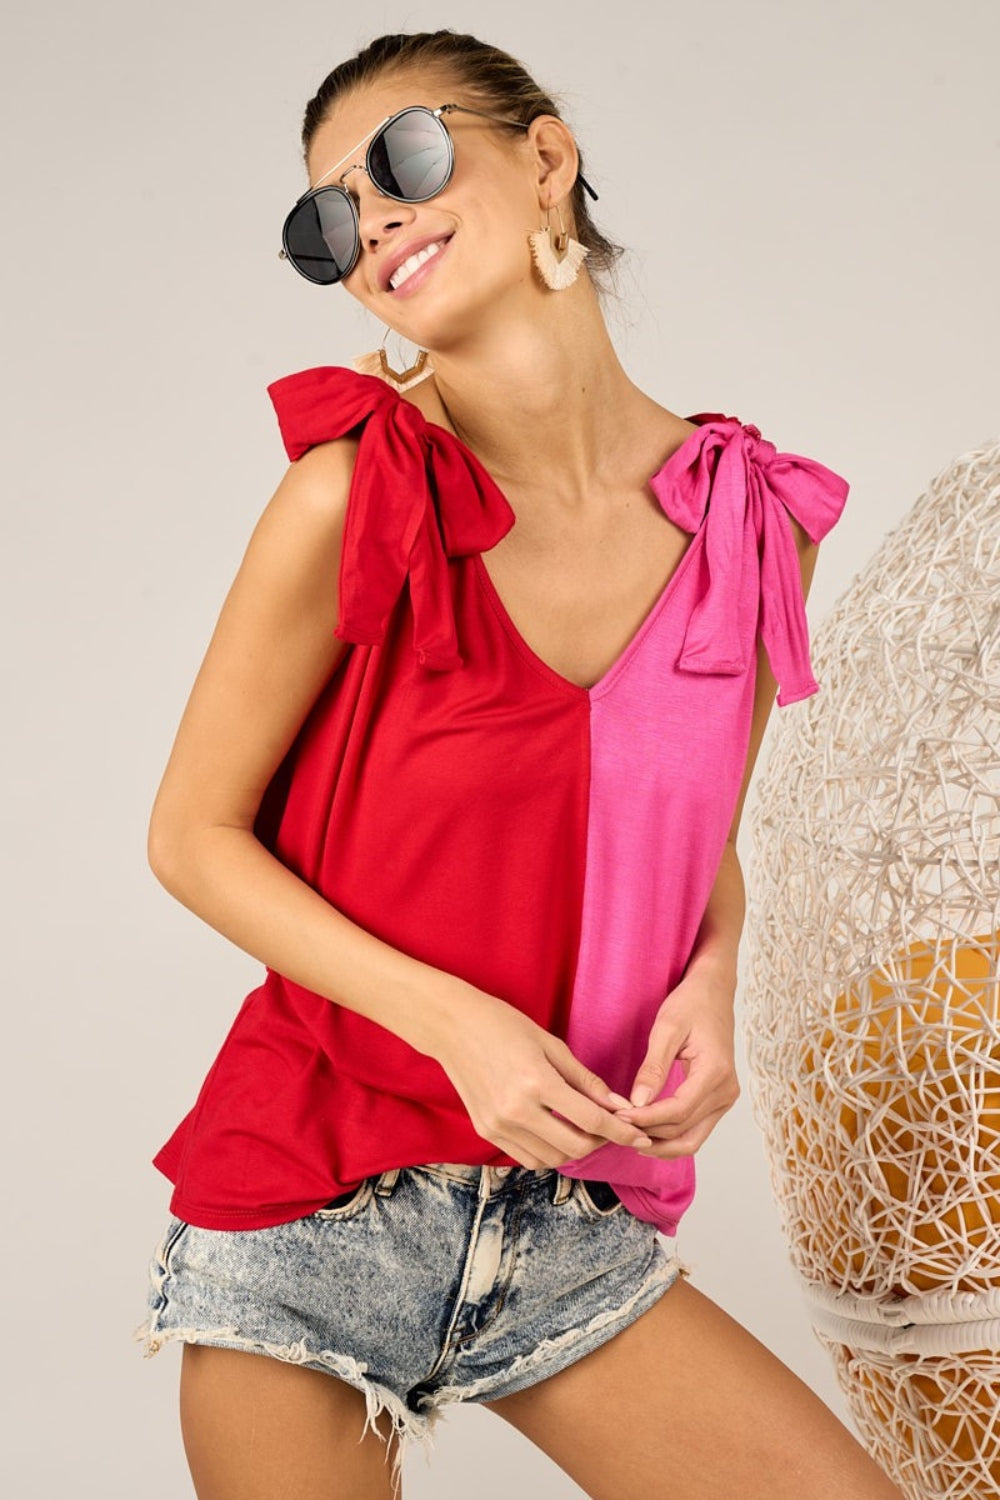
(556, 159)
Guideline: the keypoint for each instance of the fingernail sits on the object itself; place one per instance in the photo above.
(643, 1140)
(618, 1099)
(641, 1095)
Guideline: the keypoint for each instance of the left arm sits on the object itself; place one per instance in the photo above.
(696, 1023)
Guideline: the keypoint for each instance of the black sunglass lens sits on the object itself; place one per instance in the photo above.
(321, 237)
(411, 158)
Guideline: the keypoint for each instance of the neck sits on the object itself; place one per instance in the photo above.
(541, 394)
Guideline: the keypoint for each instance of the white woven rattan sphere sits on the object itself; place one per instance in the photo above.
(872, 995)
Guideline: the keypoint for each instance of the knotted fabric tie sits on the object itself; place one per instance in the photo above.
(735, 481)
(418, 496)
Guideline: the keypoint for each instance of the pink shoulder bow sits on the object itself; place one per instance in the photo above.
(735, 481)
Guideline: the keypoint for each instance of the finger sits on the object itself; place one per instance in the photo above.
(580, 1077)
(665, 1042)
(705, 1088)
(670, 1132)
(578, 1096)
(570, 1144)
(705, 1122)
(552, 1144)
(558, 1150)
(665, 1136)
(558, 1144)
(670, 1129)
(591, 1120)
(534, 1127)
(527, 1149)
(674, 1111)
(686, 1144)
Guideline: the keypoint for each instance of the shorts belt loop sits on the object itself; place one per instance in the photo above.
(563, 1188)
(387, 1181)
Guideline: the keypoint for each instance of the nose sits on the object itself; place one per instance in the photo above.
(378, 216)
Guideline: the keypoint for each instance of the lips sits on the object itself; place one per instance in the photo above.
(408, 259)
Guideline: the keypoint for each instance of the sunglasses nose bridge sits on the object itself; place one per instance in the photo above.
(357, 195)
(359, 166)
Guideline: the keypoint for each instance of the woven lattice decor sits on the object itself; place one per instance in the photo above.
(872, 992)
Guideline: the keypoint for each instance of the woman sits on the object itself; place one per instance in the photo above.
(463, 767)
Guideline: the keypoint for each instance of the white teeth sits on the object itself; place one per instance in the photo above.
(405, 271)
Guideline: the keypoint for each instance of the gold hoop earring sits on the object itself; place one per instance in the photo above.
(377, 363)
(558, 261)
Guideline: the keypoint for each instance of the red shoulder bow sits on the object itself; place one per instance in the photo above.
(418, 497)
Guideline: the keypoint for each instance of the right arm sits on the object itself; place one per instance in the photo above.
(272, 652)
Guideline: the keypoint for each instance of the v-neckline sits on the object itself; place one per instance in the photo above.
(607, 678)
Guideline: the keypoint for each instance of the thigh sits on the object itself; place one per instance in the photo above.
(685, 1404)
(257, 1428)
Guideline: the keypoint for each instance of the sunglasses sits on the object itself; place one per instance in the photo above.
(410, 158)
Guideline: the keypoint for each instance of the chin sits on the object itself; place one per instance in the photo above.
(456, 317)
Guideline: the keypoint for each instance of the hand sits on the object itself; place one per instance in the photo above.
(513, 1077)
(695, 1026)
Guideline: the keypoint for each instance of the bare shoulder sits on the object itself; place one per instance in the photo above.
(318, 484)
(655, 433)
(272, 651)
(292, 561)
(807, 548)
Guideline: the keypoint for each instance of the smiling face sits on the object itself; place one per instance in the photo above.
(438, 272)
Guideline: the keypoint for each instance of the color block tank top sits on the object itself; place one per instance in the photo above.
(449, 791)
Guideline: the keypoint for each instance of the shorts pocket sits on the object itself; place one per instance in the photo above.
(175, 1229)
(160, 1270)
(349, 1204)
(594, 1199)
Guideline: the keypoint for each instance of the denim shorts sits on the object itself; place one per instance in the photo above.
(421, 1286)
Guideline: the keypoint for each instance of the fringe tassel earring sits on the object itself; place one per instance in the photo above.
(377, 364)
(559, 262)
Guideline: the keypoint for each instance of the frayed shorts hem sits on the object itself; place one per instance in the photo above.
(632, 1248)
(416, 1429)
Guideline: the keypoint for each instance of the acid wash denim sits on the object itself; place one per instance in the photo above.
(421, 1286)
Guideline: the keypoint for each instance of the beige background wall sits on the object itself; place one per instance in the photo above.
(810, 193)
